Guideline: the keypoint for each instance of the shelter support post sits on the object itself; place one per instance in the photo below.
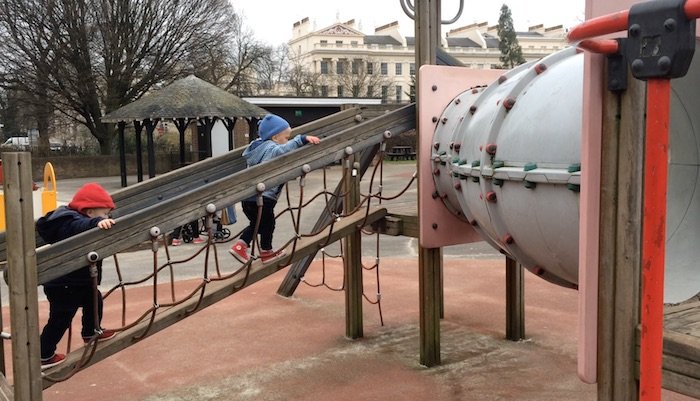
(21, 262)
(121, 126)
(353, 254)
(138, 127)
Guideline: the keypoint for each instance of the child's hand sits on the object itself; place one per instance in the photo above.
(313, 139)
(106, 224)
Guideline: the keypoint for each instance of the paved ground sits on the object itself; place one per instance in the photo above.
(256, 345)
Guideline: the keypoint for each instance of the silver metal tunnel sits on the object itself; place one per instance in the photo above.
(506, 158)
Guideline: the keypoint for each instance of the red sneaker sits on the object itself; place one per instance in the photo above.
(53, 361)
(176, 242)
(239, 250)
(106, 335)
(269, 254)
(198, 240)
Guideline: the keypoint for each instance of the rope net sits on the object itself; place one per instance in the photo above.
(172, 283)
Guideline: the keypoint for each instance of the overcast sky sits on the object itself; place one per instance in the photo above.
(271, 20)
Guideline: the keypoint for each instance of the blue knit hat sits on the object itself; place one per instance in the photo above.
(271, 125)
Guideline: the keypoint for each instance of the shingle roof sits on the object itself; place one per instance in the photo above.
(380, 40)
(461, 42)
(188, 97)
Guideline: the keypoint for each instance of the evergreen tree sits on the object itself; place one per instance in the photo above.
(511, 52)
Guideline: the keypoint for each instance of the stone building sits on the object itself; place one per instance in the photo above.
(344, 62)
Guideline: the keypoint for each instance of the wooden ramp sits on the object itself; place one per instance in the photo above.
(681, 363)
(217, 290)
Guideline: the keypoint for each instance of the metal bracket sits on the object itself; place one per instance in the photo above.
(617, 69)
(661, 39)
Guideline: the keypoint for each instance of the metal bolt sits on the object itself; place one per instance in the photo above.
(664, 63)
(458, 186)
(491, 196)
(458, 101)
(540, 68)
(435, 195)
(435, 119)
(637, 65)
(434, 88)
(491, 148)
(435, 226)
(502, 79)
(436, 145)
(444, 120)
(436, 171)
(472, 109)
(670, 24)
(509, 103)
(635, 30)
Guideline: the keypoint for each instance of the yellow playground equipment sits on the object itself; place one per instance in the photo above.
(45, 200)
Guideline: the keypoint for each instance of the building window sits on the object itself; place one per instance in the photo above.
(340, 91)
(324, 43)
(356, 66)
(370, 68)
(385, 68)
(353, 43)
(385, 93)
(324, 66)
(338, 43)
(370, 90)
(399, 93)
(412, 69)
(324, 90)
(356, 91)
(340, 66)
(399, 68)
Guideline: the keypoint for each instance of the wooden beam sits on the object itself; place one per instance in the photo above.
(515, 300)
(216, 291)
(620, 242)
(352, 254)
(21, 262)
(430, 294)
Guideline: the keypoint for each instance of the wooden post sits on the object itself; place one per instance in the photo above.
(427, 29)
(21, 262)
(430, 292)
(353, 255)
(3, 369)
(620, 242)
(515, 302)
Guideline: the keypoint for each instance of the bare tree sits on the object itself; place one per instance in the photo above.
(103, 54)
(303, 81)
(246, 53)
(361, 77)
(271, 69)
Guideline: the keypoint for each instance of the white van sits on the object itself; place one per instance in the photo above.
(18, 142)
(24, 143)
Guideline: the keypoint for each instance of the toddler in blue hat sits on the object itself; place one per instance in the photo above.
(273, 141)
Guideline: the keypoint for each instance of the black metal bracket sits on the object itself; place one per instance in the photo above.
(617, 68)
(661, 39)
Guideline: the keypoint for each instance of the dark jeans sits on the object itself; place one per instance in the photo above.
(64, 302)
(267, 222)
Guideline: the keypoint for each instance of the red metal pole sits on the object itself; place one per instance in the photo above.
(602, 46)
(602, 25)
(654, 238)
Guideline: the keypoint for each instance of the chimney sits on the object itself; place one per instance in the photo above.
(301, 28)
(391, 29)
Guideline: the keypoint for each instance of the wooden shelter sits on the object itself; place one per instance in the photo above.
(185, 101)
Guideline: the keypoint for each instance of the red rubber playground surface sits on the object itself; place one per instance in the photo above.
(256, 345)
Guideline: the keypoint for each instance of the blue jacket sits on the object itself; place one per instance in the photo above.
(63, 223)
(260, 151)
